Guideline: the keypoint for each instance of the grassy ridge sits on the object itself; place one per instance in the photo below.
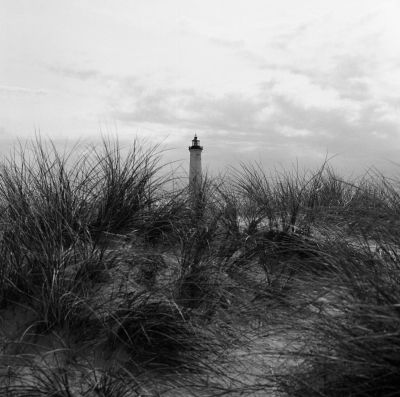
(115, 284)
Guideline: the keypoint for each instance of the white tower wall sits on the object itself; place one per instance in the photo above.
(195, 174)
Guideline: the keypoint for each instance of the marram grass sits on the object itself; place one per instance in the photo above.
(115, 283)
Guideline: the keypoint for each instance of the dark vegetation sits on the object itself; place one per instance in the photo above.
(114, 283)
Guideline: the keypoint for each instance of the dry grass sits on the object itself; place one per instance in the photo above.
(272, 284)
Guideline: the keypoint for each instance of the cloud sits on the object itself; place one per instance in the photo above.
(293, 132)
(13, 90)
(300, 82)
(289, 34)
(187, 108)
(289, 115)
(369, 132)
(226, 43)
(76, 73)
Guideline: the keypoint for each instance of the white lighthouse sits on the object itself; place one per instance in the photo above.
(195, 176)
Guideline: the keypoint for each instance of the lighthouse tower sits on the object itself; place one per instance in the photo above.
(195, 176)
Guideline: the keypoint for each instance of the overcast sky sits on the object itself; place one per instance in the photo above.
(275, 81)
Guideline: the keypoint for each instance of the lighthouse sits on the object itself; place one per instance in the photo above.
(195, 176)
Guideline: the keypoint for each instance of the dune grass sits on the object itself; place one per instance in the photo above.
(114, 282)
